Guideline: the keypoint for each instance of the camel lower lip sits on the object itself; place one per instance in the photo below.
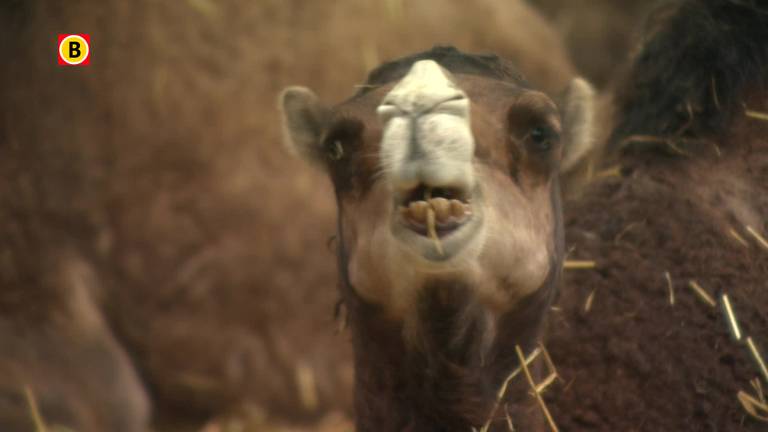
(452, 236)
(442, 230)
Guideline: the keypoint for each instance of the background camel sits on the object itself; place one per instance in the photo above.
(637, 347)
(152, 261)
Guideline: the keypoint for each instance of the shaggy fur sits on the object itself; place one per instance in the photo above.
(635, 362)
(690, 78)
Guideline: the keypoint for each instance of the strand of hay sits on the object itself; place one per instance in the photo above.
(669, 142)
(614, 171)
(758, 388)
(760, 239)
(714, 93)
(590, 299)
(548, 360)
(431, 230)
(579, 265)
(503, 389)
(701, 293)
(510, 426)
(730, 315)
(738, 237)
(528, 376)
(670, 287)
(756, 115)
(758, 358)
(305, 381)
(34, 411)
(546, 383)
(755, 408)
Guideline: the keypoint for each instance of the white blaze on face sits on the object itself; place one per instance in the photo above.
(427, 136)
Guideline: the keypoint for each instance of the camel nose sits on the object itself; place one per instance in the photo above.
(425, 87)
(427, 139)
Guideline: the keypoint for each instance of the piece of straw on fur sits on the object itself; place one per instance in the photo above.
(528, 376)
(503, 389)
(548, 360)
(670, 287)
(540, 387)
(760, 239)
(730, 316)
(758, 389)
(614, 171)
(738, 237)
(756, 115)
(579, 265)
(510, 426)
(307, 387)
(669, 142)
(715, 99)
(755, 408)
(701, 293)
(34, 411)
(590, 299)
(758, 358)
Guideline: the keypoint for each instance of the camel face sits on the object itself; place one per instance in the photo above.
(442, 173)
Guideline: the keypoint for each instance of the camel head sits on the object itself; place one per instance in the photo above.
(445, 167)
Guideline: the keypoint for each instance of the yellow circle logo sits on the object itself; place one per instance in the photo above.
(74, 49)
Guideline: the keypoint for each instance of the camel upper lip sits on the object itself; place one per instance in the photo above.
(423, 192)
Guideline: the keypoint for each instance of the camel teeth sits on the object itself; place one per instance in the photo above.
(457, 209)
(418, 211)
(442, 208)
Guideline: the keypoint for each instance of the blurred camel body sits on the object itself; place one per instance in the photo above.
(161, 255)
(682, 196)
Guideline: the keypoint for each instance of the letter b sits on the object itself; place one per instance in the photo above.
(74, 49)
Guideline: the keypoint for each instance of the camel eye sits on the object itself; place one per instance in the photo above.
(343, 139)
(541, 138)
(336, 150)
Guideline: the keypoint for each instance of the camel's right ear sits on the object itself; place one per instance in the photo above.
(578, 123)
(303, 118)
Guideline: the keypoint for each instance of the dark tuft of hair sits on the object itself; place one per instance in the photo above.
(455, 61)
(691, 75)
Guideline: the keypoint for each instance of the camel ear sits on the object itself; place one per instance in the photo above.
(303, 118)
(578, 123)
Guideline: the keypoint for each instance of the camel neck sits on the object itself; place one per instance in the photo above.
(448, 377)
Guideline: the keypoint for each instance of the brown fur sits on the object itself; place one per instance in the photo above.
(634, 362)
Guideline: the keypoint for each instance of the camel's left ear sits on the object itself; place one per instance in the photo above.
(578, 123)
(303, 118)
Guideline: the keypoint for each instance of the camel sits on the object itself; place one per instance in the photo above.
(686, 207)
(445, 167)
